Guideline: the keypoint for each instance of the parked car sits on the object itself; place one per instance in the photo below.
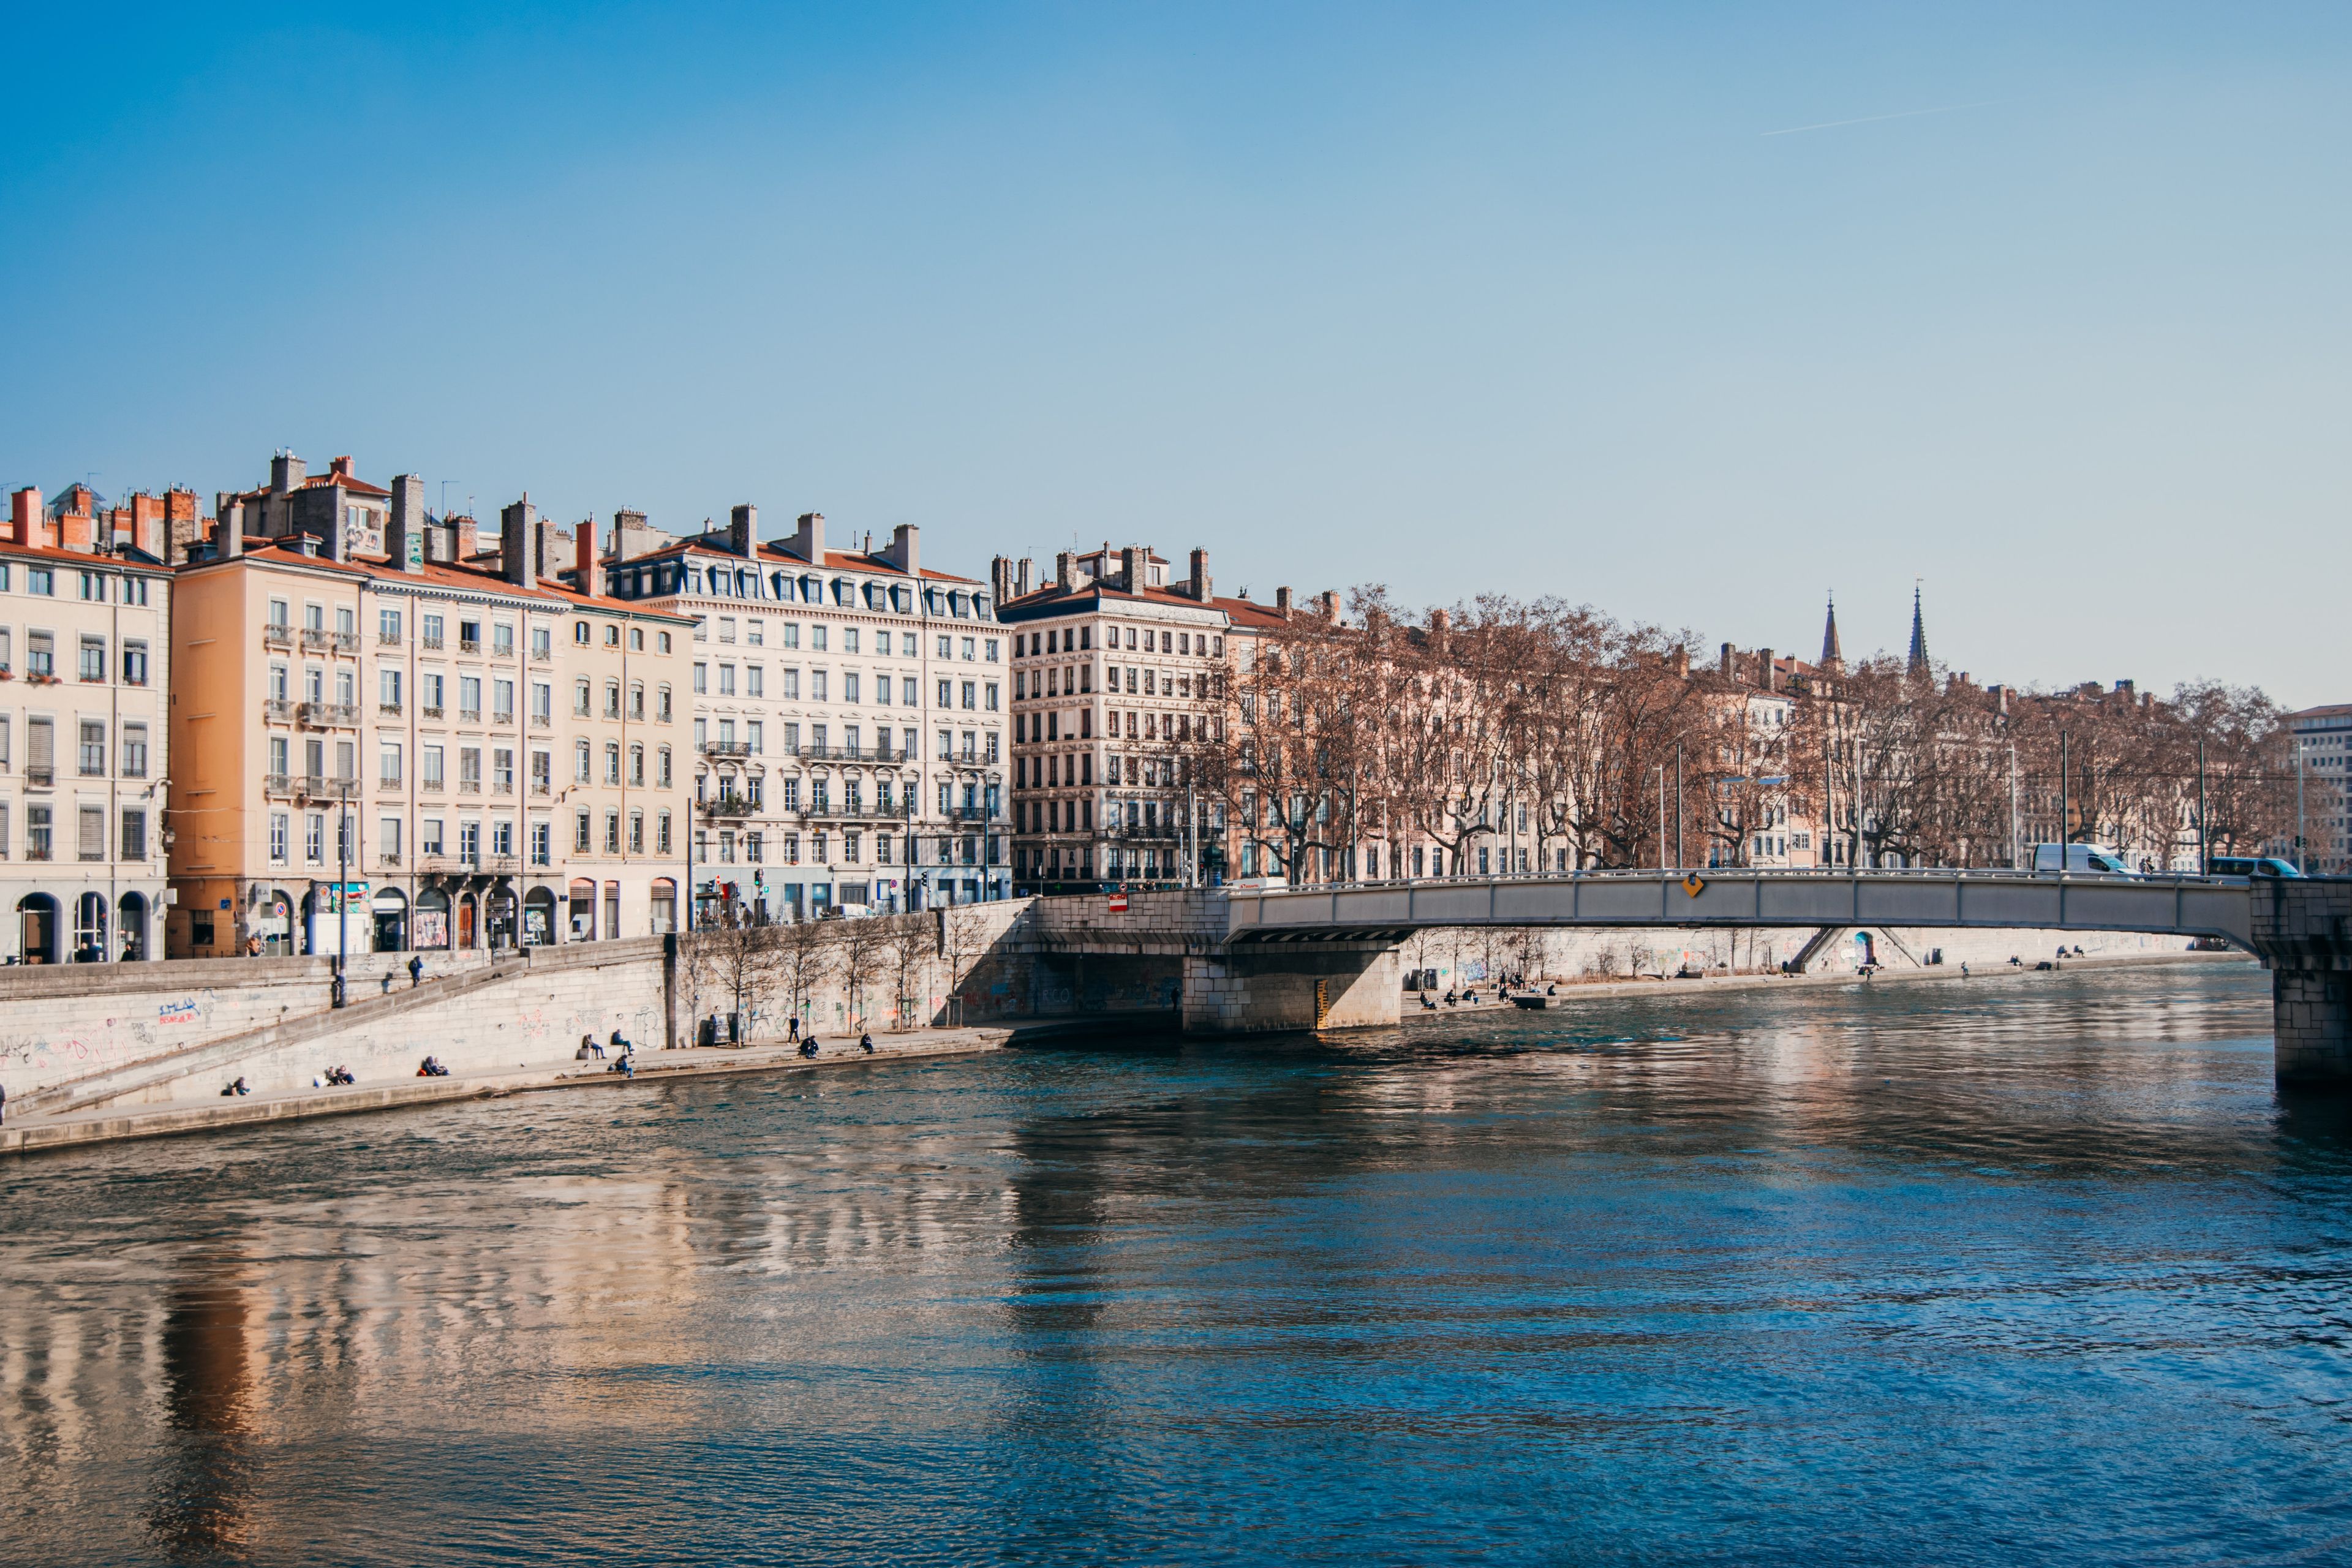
(2096, 860)
(2248, 866)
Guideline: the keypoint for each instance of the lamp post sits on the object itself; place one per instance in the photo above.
(2204, 844)
(338, 992)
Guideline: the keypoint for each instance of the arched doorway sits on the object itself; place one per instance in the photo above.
(309, 922)
(36, 917)
(665, 905)
(89, 928)
(539, 917)
(583, 902)
(431, 930)
(390, 908)
(466, 930)
(498, 917)
(131, 920)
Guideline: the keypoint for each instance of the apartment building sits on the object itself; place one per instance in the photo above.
(2322, 754)
(85, 600)
(427, 745)
(847, 718)
(1117, 672)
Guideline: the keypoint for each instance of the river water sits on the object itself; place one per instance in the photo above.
(2032, 1269)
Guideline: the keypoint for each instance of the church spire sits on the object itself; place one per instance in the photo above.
(1917, 663)
(1833, 657)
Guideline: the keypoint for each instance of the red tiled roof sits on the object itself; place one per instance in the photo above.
(78, 557)
(1241, 612)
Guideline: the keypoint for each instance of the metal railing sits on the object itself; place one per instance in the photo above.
(277, 634)
(326, 715)
(430, 711)
(724, 748)
(388, 709)
(434, 640)
(731, 805)
(276, 784)
(315, 640)
(469, 645)
(347, 642)
(852, 754)
(388, 639)
(278, 710)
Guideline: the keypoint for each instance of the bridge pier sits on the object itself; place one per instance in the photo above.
(2303, 933)
(1247, 988)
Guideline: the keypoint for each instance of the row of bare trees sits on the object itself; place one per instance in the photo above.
(883, 967)
(1384, 743)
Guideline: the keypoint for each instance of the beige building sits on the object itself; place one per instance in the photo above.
(848, 718)
(84, 604)
(1116, 672)
(444, 742)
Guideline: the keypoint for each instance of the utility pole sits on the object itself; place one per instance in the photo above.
(1679, 861)
(2204, 844)
(2066, 820)
(2013, 847)
(2298, 804)
(1661, 771)
(338, 992)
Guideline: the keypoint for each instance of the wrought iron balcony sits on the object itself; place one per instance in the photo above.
(315, 640)
(278, 710)
(328, 715)
(725, 748)
(277, 634)
(731, 805)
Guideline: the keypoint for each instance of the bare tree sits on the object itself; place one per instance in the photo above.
(911, 946)
(807, 954)
(863, 959)
(738, 965)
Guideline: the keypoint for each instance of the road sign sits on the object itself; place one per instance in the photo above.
(1118, 903)
(1693, 885)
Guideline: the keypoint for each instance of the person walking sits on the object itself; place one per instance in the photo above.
(415, 969)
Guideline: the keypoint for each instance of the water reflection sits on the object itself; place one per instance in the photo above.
(1688, 1275)
(205, 1483)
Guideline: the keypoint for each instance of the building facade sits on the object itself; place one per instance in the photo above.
(85, 603)
(847, 724)
(1118, 673)
(427, 746)
(2322, 754)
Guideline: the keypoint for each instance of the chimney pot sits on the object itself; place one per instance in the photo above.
(743, 529)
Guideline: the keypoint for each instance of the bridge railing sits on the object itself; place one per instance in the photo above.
(1776, 873)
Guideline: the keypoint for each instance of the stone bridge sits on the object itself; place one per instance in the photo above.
(1326, 956)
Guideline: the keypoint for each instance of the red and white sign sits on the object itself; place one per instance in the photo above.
(1118, 903)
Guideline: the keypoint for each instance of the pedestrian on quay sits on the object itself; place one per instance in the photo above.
(387, 983)
(866, 1044)
(415, 969)
(794, 1033)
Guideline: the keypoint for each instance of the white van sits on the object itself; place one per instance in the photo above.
(2096, 860)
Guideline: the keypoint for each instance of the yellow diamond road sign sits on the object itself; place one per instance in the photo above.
(1693, 885)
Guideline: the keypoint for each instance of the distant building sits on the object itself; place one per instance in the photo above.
(2322, 746)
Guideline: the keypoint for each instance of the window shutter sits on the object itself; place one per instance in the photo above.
(93, 832)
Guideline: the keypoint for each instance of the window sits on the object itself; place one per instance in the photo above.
(502, 640)
(661, 834)
(817, 686)
(850, 686)
(387, 838)
(661, 642)
(725, 628)
(134, 753)
(40, 654)
(543, 847)
(92, 756)
(43, 581)
(314, 837)
(661, 702)
(387, 760)
(542, 703)
(638, 697)
(581, 829)
(428, 836)
(580, 639)
(612, 832)
(134, 836)
(637, 639)
(430, 763)
(636, 833)
(93, 587)
(612, 634)
(612, 761)
(503, 701)
(752, 731)
(388, 690)
(612, 700)
(387, 625)
(277, 835)
(541, 641)
(502, 770)
(432, 631)
(947, 694)
(727, 680)
(701, 677)
(755, 683)
(37, 845)
(581, 766)
(637, 766)
(469, 770)
(790, 689)
(134, 663)
(582, 698)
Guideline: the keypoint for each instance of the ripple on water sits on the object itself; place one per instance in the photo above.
(2036, 1269)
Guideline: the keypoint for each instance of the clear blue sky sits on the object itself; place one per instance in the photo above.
(1456, 298)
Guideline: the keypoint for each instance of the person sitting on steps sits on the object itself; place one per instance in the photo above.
(866, 1044)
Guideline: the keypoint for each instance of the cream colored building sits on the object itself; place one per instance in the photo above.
(1115, 669)
(848, 718)
(445, 741)
(83, 656)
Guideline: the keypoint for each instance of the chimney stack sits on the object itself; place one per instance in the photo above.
(999, 578)
(341, 467)
(24, 515)
(809, 542)
(1282, 603)
(743, 529)
(1199, 587)
(516, 539)
(906, 549)
(1064, 569)
(1025, 578)
(1766, 676)
(404, 535)
(465, 540)
(228, 530)
(1681, 656)
(1327, 604)
(285, 473)
(584, 555)
(1132, 573)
